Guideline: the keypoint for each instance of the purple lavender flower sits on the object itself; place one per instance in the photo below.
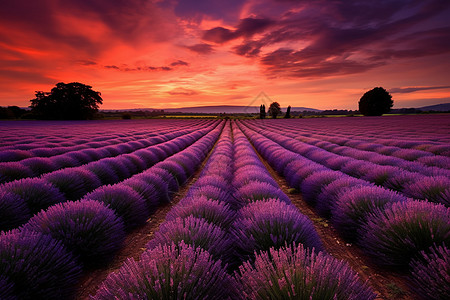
(157, 182)
(379, 175)
(170, 272)
(435, 161)
(39, 165)
(243, 177)
(215, 212)
(353, 206)
(399, 233)
(210, 192)
(103, 171)
(168, 178)
(126, 203)
(73, 182)
(299, 273)
(430, 274)
(147, 156)
(37, 193)
(64, 161)
(313, 184)
(298, 171)
(256, 190)
(10, 171)
(214, 180)
(330, 194)
(14, 155)
(86, 227)
(147, 190)
(118, 166)
(175, 169)
(13, 211)
(37, 266)
(434, 189)
(194, 231)
(272, 223)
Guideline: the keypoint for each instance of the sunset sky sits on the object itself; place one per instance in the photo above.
(178, 53)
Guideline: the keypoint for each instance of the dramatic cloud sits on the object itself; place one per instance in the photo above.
(246, 28)
(416, 89)
(155, 53)
(201, 48)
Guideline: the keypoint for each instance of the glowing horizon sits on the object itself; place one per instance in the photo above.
(171, 54)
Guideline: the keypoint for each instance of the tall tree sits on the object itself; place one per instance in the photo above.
(274, 109)
(288, 113)
(375, 102)
(262, 111)
(71, 101)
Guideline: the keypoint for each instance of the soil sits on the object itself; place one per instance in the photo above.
(387, 284)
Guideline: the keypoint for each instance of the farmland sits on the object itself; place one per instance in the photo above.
(330, 208)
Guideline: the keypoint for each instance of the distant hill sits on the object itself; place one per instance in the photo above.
(228, 109)
(437, 107)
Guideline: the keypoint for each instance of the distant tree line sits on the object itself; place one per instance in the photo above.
(13, 112)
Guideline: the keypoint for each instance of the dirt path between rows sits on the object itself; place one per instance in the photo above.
(134, 244)
(387, 284)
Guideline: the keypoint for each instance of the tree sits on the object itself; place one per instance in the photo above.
(262, 111)
(375, 102)
(288, 113)
(71, 101)
(274, 109)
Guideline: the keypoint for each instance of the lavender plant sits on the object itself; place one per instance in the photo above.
(398, 234)
(300, 273)
(86, 227)
(262, 225)
(430, 274)
(353, 207)
(170, 272)
(126, 203)
(36, 266)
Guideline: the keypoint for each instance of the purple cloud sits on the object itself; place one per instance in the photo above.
(201, 48)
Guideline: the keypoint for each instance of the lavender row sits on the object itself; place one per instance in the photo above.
(205, 218)
(35, 166)
(183, 258)
(417, 132)
(22, 198)
(393, 230)
(416, 159)
(286, 248)
(46, 257)
(411, 184)
(30, 135)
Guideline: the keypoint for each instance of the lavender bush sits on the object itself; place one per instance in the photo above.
(214, 212)
(430, 274)
(36, 266)
(13, 211)
(434, 189)
(125, 202)
(86, 227)
(10, 171)
(262, 225)
(170, 272)
(73, 182)
(300, 273)
(399, 233)
(313, 184)
(194, 231)
(37, 193)
(353, 206)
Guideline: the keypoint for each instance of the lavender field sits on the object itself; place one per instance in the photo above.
(326, 208)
